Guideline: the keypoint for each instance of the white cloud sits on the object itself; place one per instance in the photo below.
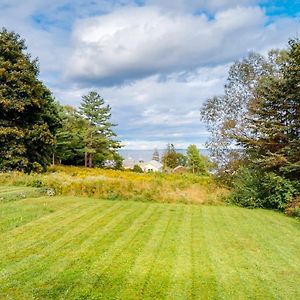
(192, 5)
(169, 55)
(159, 110)
(136, 42)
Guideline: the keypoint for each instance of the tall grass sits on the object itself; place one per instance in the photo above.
(111, 184)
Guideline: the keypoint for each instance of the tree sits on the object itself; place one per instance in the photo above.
(155, 155)
(137, 169)
(272, 139)
(70, 147)
(29, 115)
(99, 136)
(171, 159)
(226, 115)
(195, 161)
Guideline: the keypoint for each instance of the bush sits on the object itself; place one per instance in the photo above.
(293, 208)
(251, 188)
(277, 191)
(246, 188)
(137, 169)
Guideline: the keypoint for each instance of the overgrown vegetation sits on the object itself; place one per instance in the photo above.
(113, 184)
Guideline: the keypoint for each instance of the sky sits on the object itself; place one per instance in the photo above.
(153, 61)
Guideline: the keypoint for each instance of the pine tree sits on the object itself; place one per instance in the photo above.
(28, 114)
(69, 148)
(155, 155)
(273, 137)
(99, 136)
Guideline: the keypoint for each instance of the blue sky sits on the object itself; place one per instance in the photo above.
(154, 61)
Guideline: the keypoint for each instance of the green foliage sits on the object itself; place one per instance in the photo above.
(137, 169)
(28, 114)
(226, 116)
(252, 188)
(171, 158)
(195, 161)
(99, 136)
(272, 141)
(69, 148)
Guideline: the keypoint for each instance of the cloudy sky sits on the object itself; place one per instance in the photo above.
(153, 61)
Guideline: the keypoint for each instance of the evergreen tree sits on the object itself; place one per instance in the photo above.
(70, 147)
(273, 136)
(155, 155)
(29, 116)
(195, 161)
(99, 136)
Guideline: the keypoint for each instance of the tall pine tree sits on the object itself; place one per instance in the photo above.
(99, 136)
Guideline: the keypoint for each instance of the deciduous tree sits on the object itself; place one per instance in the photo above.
(195, 161)
(29, 116)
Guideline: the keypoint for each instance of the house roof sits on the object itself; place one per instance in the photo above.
(155, 164)
(128, 163)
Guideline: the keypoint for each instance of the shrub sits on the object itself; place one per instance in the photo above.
(251, 188)
(277, 191)
(137, 169)
(293, 208)
(246, 188)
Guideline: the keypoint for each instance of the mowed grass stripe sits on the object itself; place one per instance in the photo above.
(140, 272)
(53, 242)
(271, 262)
(157, 282)
(36, 235)
(244, 253)
(219, 240)
(204, 281)
(113, 262)
(56, 265)
(29, 230)
(181, 282)
(13, 215)
(133, 250)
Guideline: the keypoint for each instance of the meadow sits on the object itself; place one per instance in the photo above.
(122, 185)
(69, 247)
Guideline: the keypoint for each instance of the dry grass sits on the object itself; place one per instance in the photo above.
(110, 184)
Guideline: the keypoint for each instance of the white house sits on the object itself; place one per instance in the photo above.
(151, 166)
(128, 163)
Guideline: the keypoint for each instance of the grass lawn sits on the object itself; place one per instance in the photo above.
(80, 248)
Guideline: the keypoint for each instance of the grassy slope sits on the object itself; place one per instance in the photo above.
(78, 248)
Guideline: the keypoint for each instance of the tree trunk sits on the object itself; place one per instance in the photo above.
(53, 159)
(85, 159)
(90, 160)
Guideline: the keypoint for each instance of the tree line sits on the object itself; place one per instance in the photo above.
(255, 128)
(35, 130)
(193, 161)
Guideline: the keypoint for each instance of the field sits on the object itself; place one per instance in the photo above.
(122, 185)
(68, 247)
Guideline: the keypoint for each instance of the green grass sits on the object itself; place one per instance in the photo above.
(80, 248)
